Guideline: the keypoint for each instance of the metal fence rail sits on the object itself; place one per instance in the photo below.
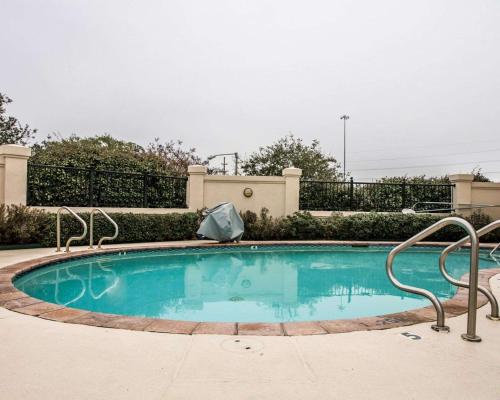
(369, 196)
(50, 185)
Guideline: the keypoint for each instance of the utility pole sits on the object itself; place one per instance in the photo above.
(224, 165)
(236, 160)
(345, 117)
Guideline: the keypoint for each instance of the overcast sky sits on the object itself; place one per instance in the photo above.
(418, 78)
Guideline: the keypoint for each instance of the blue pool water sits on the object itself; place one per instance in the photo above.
(266, 284)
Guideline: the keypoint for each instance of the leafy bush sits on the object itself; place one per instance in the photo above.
(132, 227)
(22, 225)
(368, 226)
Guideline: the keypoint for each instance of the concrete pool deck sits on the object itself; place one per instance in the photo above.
(48, 360)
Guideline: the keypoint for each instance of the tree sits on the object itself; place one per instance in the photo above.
(290, 151)
(479, 176)
(172, 154)
(104, 152)
(11, 130)
(419, 179)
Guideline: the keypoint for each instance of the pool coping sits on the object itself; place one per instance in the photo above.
(15, 300)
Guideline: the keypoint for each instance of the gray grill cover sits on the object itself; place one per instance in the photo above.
(221, 223)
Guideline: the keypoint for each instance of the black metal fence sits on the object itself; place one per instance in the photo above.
(50, 185)
(369, 196)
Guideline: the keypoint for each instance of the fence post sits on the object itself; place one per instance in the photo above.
(403, 194)
(145, 190)
(14, 173)
(91, 187)
(292, 189)
(351, 193)
(196, 187)
(462, 192)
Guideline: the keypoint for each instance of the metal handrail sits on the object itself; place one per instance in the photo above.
(473, 275)
(58, 228)
(442, 267)
(99, 244)
(412, 210)
(493, 251)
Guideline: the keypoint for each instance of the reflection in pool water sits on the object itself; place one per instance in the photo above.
(267, 284)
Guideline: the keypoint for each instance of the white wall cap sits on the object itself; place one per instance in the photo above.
(15, 150)
(197, 170)
(461, 178)
(292, 172)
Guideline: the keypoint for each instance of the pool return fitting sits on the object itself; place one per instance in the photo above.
(473, 238)
(84, 225)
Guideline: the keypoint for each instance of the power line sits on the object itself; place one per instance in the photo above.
(427, 156)
(424, 166)
(419, 147)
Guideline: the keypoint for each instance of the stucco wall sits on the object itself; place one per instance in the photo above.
(279, 194)
(13, 173)
(268, 191)
(487, 193)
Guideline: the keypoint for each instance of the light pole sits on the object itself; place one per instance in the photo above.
(345, 117)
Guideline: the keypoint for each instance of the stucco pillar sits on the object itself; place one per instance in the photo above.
(196, 183)
(13, 173)
(292, 188)
(462, 192)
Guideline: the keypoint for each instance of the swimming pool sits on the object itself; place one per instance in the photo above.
(245, 283)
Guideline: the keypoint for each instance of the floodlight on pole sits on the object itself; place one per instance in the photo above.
(345, 117)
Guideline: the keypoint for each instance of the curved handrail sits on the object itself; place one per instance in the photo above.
(443, 210)
(442, 267)
(473, 275)
(58, 228)
(493, 251)
(99, 244)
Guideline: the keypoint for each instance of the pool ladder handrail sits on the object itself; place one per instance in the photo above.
(442, 267)
(473, 275)
(58, 228)
(115, 225)
(493, 251)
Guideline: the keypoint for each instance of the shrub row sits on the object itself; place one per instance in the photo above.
(132, 227)
(22, 225)
(369, 226)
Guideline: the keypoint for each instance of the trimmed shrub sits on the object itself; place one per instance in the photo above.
(132, 227)
(369, 226)
(23, 225)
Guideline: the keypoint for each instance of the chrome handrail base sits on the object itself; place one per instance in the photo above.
(468, 338)
(492, 317)
(438, 328)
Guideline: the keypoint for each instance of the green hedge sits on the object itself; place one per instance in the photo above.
(132, 227)
(22, 225)
(369, 226)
